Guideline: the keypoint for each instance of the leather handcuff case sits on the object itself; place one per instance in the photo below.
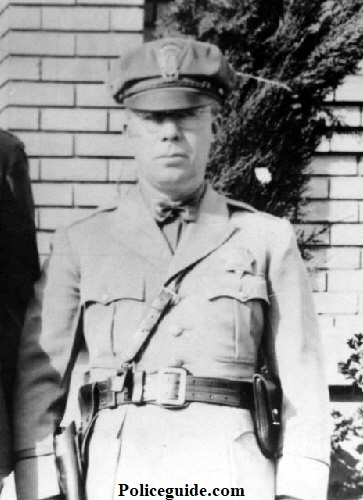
(267, 412)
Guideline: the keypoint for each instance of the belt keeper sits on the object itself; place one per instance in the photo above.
(138, 386)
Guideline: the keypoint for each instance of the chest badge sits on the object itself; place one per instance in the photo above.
(239, 261)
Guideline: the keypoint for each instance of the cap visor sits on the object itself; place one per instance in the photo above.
(168, 99)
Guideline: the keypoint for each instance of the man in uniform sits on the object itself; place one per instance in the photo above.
(19, 269)
(172, 291)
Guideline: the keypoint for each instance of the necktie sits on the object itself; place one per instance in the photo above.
(165, 211)
(172, 216)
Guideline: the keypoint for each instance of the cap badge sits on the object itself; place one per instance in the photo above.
(169, 60)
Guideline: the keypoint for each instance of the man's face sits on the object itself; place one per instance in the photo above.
(172, 147)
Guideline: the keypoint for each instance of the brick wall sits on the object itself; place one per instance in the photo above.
(54, 58)
(336, 206)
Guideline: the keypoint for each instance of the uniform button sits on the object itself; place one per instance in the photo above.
(176, 330)
(104, 297)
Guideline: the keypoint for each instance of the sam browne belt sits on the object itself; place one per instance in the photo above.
(170, 387)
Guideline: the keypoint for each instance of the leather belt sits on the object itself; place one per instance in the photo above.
(170, 387)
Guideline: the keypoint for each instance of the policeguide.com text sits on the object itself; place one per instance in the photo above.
(144, 490)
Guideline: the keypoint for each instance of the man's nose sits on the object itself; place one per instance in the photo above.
(170, 129)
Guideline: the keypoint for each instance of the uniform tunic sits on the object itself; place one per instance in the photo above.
(239, 262)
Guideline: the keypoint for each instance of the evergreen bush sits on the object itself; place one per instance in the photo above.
(269, 132)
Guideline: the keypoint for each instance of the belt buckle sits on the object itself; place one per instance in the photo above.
(172, 401)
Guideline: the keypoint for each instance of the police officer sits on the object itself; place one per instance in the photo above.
(174, 289)
(18, 270)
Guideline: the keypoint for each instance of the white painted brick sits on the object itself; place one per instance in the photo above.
(326, 322)
(74, 119)
(3, 98)
(349, 325)
(334, 165)
(73, 169)
(105, 44)
(349, 143)
(351, 90)
(19, 68)
(4, 21)
(347, 234)
(360, 167)
(44, 2)
(336, 303)
(40, 94)
(52, 218)
(94, 96)
(34, 169)
(52, 194)
(75, 19)
(122, 171)
(335, 258)
(331, 340)
(93, 195)
(77, 70)
(127, 19)
(112, 2)
(331, 211)
(26, 18)
(117, 120)
(318, 188)
(320, 232)
(318, 281)
(44, 241)
(22, 118)
(47, 144)
(102, 145)
(348, 188)
(3, 120)
(349, 116)
(40, 43)
(324, 145)
(361, 212)
(345, 281)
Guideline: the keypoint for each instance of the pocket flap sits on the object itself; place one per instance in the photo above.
(254, 287)
(249, 287)
(109, 289)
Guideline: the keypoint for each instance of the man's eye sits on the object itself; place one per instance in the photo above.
(153, 118)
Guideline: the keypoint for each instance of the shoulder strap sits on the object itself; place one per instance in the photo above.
(164, 299)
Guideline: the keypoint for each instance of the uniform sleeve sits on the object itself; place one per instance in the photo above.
(302, 470)
(46, 356)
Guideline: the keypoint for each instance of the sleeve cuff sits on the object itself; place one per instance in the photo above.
(302, 477)
(37, 478)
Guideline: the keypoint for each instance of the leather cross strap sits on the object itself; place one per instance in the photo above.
(173, 388)
(165, 298)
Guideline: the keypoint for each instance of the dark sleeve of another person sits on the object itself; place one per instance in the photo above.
(19, 265)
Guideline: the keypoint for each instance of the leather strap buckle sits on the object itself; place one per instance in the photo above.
(112, 390)
(172, 387)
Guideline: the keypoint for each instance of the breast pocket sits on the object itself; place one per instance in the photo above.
(112, 308)
(237, 312)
